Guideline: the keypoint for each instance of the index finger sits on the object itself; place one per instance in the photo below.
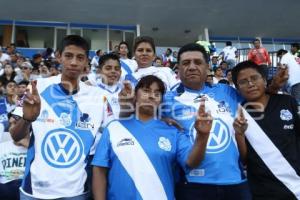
(127, 85)
(241, 113)
(201, 109)
(33, 87)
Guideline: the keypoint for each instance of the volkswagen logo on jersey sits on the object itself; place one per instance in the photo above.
(286, 115)
(219, 137)
(62, 148)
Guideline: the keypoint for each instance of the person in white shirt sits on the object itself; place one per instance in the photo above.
(65, 116)
(95, 59)
(229, 54)
(107, 79)
(3, 57)
(128, 66)
(289, 61)
(144, 53)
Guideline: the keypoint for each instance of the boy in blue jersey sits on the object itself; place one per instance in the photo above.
(65, 115)
(107, 79)
(135, 158)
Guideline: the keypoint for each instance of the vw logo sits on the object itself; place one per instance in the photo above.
(219, 137)
(62, 148)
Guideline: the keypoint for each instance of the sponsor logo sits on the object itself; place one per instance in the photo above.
(286, 115)
(164, 144)
(125, 142)
(44, 117)
(84, 122)
(288, 127)
(62, 148)
(41, 184)
(219, 138)
(197, 172)
(223, 107)
(65, 119)
(3, 117)
(198, 98)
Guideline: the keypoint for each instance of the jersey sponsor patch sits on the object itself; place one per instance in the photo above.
(62, 148)
(286, 115)
(125, 142)
(197, 172)
(84, 122)
(164, 144)
(44, 117)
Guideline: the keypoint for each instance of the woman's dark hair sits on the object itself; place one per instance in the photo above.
(125, 43)
(246, 65)
(145, 39)
(147, 81)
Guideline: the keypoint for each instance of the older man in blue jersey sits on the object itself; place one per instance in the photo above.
(220, 173)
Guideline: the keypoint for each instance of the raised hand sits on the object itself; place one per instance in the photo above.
(126, 100)
(203, 121)
(32, 103)
(240, 124)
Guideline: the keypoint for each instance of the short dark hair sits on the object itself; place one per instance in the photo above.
(281, 52)
(106, 57)
(10, 81)
(224, 81)
(145, 39)
(23, 82)
(228, 43)
(74, 40)
(256, 39)
(123, 42)
(296, 45)
(147, 81)
(128, 53)
(228, 70)
(193, 47)
(246, 65)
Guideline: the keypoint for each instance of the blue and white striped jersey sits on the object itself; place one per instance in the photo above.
(62, 138)
(141, 157)
(221, 164)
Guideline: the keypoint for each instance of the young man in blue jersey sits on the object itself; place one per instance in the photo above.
(65, 116)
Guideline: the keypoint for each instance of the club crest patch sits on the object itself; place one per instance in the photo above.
(286, 115)
(164, 144)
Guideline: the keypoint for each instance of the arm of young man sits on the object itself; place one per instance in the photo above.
(31, 110)
(99, 182)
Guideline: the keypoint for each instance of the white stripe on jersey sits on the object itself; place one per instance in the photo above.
(132, 164)
(272, 157)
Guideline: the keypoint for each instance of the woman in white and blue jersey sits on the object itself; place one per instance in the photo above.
(135, 158)
(144, 53)
(128, 65)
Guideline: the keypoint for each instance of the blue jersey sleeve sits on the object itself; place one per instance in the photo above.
(102, 155)
(184, 147)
